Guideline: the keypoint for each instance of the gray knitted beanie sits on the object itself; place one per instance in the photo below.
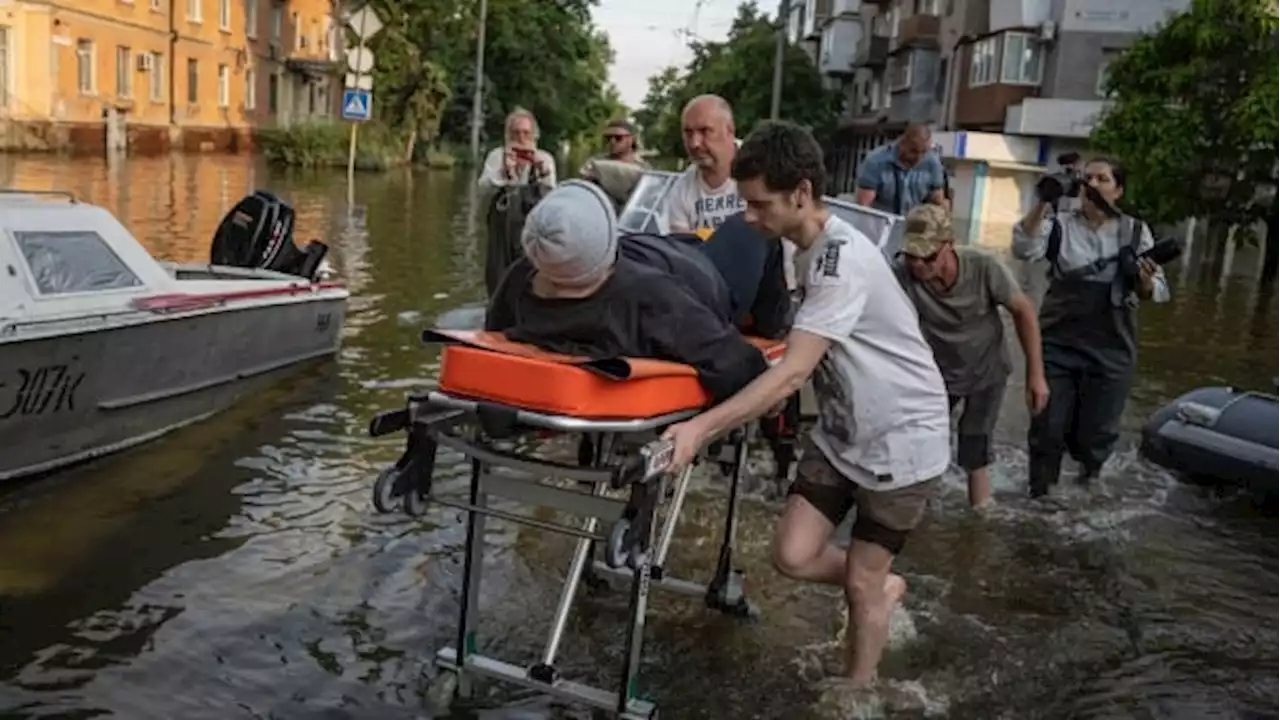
(571, 235)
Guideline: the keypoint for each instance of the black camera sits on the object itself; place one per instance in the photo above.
(1067, 183)
(1162, 252)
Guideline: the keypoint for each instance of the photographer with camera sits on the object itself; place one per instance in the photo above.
(1100, 262)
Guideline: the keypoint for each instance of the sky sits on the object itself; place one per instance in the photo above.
(649, 35)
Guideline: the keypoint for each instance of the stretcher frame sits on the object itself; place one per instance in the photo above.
(635, 547)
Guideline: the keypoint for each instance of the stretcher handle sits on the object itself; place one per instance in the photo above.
(652, 461)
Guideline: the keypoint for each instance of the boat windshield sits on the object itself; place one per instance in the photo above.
(645, 209)
(76, 261)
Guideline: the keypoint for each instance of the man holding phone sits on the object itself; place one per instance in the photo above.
(519, 161)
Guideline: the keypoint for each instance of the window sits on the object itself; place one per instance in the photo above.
(940, 83)
(900, 72)
(73, 262)
(926, 7)
(224, 86)
(193, 82)
(297, 31)
(277, 22)
(224, 14)
(155, 5)
(157, 77)
(4, 67)
(273, 93)
(250, 92)
(194, 11)
(875, 91)
(1022, 60)
(1104, 73)
(124, 72)
(85, 79)
(982, 63)
(251, 18)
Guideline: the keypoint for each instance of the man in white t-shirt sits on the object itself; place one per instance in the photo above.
(883, 436)
(705, 194)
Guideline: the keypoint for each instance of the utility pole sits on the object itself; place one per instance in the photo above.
(784, 19)
(477, 100)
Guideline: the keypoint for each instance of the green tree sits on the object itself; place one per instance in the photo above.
(1194, 115)
(740, 70)
(544, 55)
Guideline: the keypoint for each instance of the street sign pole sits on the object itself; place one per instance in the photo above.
(355, 126)
(477, 99)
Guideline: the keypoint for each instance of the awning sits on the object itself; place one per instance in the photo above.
(315, 69)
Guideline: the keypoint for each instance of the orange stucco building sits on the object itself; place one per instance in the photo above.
(154, 75)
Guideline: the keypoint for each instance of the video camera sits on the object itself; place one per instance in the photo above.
(1055, 186)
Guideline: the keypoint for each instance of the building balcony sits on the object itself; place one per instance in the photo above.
(873, 51)
(841, 37)
(919, 30)
(1047, 117)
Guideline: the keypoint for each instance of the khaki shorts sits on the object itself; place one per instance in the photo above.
(884, 517)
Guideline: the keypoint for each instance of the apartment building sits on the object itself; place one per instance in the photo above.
(1007, 85)
(297, 57)
(145, 76)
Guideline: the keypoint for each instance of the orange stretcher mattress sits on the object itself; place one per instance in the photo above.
(487, 366)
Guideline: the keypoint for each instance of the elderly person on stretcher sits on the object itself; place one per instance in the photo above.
(581, 290)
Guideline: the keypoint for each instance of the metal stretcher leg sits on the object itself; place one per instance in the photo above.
(472, 565)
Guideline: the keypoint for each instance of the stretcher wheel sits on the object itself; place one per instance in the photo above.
(415, 503)
(385, 493)
(615, 554)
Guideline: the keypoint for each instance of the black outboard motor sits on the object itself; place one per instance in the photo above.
(258, 233)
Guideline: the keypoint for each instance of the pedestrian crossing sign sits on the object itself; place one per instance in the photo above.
(356, 104)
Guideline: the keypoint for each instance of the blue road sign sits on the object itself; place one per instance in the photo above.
(357, 104)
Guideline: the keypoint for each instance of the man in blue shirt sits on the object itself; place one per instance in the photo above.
(901, 175)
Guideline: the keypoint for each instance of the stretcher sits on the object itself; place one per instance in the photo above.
(491, 392)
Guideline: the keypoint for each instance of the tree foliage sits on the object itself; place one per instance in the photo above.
(543, 55)
(1194, 114)
(740, 70)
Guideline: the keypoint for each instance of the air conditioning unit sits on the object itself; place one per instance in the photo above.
(1048, 31)
(146, 63)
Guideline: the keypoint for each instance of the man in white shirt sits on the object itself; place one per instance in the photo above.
(518, 161)
(706, 194)
(883, 436)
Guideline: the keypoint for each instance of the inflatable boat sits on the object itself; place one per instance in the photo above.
(1217, 434)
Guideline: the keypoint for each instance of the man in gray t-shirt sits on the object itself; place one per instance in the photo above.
(956, 293)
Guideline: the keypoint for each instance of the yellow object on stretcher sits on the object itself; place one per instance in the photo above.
(493, 390)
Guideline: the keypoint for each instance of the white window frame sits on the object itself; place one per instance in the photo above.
(1027, 42)
(277, 22)
(224, 86)
(195, 11)
(250, 89)
(224, 15)
(157, 89)
(1104, 72)
(988, 48)
(905, 84)
(124, 71)
(251, 19)
(86, 67)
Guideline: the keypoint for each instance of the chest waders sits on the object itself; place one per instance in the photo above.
(1088, 331)
(504, 221)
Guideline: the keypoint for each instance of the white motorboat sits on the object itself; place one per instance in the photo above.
(103, 347)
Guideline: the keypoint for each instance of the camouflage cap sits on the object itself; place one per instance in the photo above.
(928, 228)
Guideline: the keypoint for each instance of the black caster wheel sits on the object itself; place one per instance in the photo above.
(415, 504)
(386, 496)
(615, 556)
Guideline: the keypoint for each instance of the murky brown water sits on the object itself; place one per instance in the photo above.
(236, 568)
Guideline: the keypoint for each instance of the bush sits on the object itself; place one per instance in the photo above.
(325, 144)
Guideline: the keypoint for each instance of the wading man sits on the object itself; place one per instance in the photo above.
(957, 292)
(1088, 320)
(882, 440)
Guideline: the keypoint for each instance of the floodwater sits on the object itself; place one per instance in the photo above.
(236, 569)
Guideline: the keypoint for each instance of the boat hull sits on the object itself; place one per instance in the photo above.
(66, 398)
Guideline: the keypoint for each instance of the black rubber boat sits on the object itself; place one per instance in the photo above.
(1219, 435)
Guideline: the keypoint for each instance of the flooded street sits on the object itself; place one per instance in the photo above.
(236, 568)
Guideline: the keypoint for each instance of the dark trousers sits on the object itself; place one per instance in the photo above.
(1087, 395)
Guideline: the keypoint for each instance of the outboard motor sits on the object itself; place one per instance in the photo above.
(258, 233)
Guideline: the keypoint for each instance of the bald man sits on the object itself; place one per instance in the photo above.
(903, 174)
(705, 194)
